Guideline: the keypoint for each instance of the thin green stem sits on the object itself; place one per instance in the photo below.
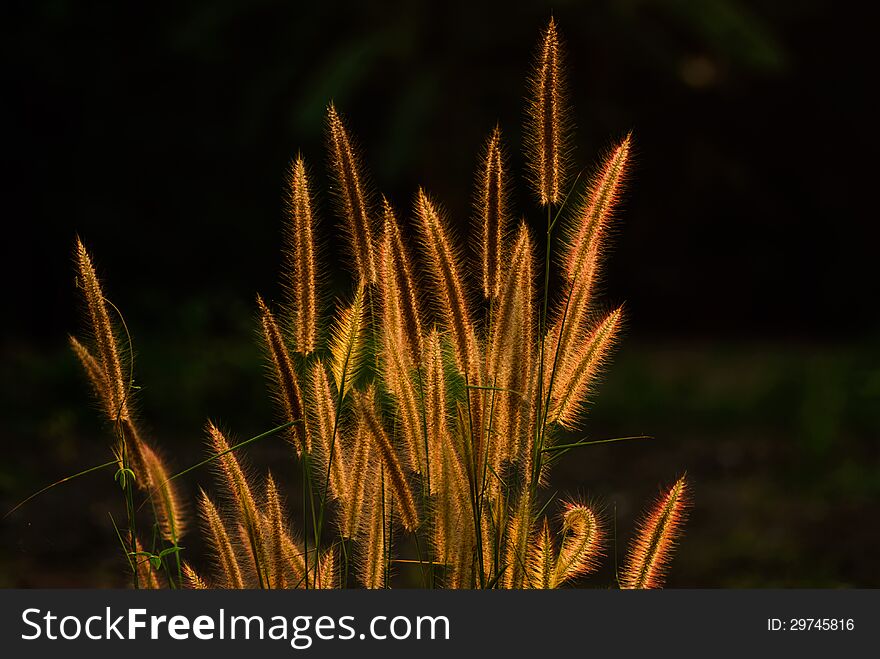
(59, 482)
(565, 448)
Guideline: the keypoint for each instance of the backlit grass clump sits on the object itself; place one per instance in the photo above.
(426, 414)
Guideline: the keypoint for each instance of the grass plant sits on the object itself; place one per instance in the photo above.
(426, 415)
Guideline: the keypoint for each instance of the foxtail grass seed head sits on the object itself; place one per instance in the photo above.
(275, 530)
(581, 544)
(541, 559)
(357, 483)
(547, 121)
(651, 550)
(102, 330)
(492, 212)
(192, 580)
(97, 377)
(348, 343)
(326, 577)
(147, 576)
(397, 372)
(229, 573)
(397, 483)
(373, 567)
(299, 275)
(436, 423)
(238, 490)
(285, 376)
(584, 236)
(345, 165)
(327, 436)
(167, 504)
(575, 377)
(516, 550)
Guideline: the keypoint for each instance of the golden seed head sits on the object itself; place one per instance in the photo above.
(284, 376)
(547, 121)
(345, 165)
(596, 211)
(225, 559)
(401, 308)
(575, 376)
(167, 503)
(492, 212)
(400, 489)
(104, 335)
(651, 550)
(327, 440)
(299, 274)
(581, 544)
(348, 343)
(192, 579)
(446, 269)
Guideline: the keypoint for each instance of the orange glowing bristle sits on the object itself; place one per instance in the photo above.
(492, 212)
(285, 377)
(651, 550)
(547, 126)
(299, 275)
(349, 179)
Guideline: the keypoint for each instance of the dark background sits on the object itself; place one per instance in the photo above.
(745, 253)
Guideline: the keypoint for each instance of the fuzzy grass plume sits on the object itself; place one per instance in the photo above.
(426, 425)
(548, 123)
(658, 532)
